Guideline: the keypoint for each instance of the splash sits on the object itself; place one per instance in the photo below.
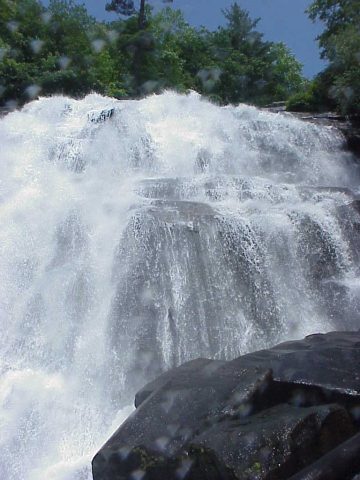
(137, 235)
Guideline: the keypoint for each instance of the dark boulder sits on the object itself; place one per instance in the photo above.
(341, 462)
(189, 367)
(104, 115)
(289, 411)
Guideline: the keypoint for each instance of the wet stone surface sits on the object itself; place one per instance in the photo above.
(271, 414)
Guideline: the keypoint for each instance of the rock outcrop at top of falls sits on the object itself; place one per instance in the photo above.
(292, 411)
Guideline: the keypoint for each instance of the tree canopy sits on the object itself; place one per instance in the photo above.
(61, 49)
(338, 86)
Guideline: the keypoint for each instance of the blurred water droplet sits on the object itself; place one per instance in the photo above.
(238, 398)
(128, 80)
(211, 367)
(36, 45)
(184, 468)
(146, 295)
(124, 452)
(172, 429)
(146, 358)
(13, 26)
(131, 49)
(185, 433)
(138, 475)
(11, 104)
(219, 53)
(244, 410)
(112, 35)
(298, 398)
(13, 53)
(209, 77)
(355, 412)
(161, 443)
(333, 91)
(349, 93)
(265, 454)
(64, 62)
(250, 439)
(135, 325)
(150, 86)
(32, 91)
(2, 53)
(98, 45)
(46, 17)
(213, 73)
(170, 398)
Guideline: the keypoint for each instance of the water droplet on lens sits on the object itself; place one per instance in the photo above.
(32, 91)
(124, 452)
(46, 17)
(355, 412)
(13, 26)
(298, 398)
(64, 62)
(11, 104)
(150, 86)
(138, 475)
(184, 468)
(98, 45)
(36, 45)
(244, 409)
(2, 53)
(161, 443)
(172, 429)
(112, 35)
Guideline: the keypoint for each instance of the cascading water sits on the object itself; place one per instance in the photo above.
(137, 235)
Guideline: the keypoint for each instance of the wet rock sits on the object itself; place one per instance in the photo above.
(348, 125)
(274, 443)
(353, 142)
(351, 131)
(342, 462)
(104, 115)
(271, 414)
(174, 211)
(192, 366)
(4, 111)
(330, 361)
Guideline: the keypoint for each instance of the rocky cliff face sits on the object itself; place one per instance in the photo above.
(292, 411)
(348, 125)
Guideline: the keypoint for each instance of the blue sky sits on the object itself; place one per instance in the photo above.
(281, 21)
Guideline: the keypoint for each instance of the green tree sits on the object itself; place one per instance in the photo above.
(239, 25)
(21, 29)
(338, 16)
(61, 49)
(51, 50)
(179, 50)
(127, 8)
(251, 69)
(340, 45)
(286, 76)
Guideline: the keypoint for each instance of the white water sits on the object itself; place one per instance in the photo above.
(109, 276)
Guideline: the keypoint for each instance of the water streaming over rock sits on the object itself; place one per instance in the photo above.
(137, 235)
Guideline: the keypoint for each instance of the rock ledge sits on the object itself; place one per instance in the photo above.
(290, 412)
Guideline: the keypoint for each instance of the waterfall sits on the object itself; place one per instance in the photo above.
(137, 235)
